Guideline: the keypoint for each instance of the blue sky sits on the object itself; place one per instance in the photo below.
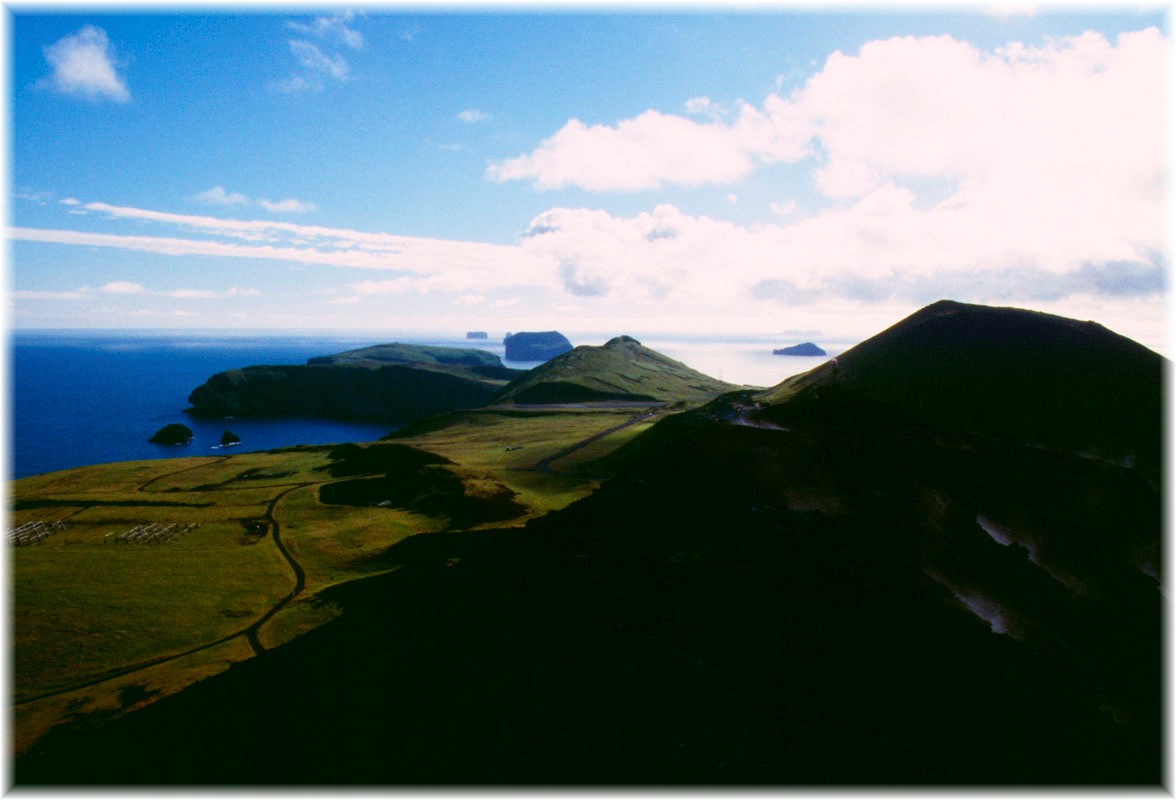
(590, 171)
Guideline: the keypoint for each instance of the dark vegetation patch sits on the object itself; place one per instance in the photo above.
(414, 480)
(390, 459)
(431, 490)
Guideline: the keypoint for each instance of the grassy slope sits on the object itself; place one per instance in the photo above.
(396, 352)
(85, 606)
(620, 370)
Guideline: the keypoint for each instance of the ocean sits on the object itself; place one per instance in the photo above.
(91, 397)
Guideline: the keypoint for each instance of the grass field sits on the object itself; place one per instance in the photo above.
(107, 619)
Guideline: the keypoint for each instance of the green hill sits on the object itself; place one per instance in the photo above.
(621, 370)
(395, 383)
(398, 353)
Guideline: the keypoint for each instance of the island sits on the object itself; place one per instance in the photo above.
(393, 383)
(535, 346)
(477, 335)
(805, 349)
(175, 433)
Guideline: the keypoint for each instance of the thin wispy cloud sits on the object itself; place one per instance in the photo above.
(219, 196)
(318, 62)
(471, 115)
(335, 28)
(425, 264)
(85, 65)
(316, 55)
(133, 289)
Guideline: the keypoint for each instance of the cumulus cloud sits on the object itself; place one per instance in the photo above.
(1068, 119)
(880, 247)
(648, 152)
(84, 65)
(471, 115)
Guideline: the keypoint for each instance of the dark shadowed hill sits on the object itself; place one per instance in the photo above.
(839, 582)
(620, 370)
(1026, 376)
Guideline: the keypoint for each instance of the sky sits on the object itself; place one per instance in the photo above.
(666, 170)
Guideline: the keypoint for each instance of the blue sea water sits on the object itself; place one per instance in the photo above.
(80, 398)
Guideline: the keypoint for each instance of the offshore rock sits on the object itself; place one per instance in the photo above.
(531, 346)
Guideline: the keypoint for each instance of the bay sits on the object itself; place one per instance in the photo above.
(92, 397)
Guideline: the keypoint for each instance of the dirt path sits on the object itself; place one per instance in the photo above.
(299, 574)
(544, 465)
(251, 632)
(142, 487)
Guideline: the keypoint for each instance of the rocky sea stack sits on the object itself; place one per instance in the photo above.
(542, 346)
(175, 433)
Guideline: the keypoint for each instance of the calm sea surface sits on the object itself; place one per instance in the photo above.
(80, 398)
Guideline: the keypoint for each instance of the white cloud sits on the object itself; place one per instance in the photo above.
(698, 105)
(335, 28)
(425, 264)
(296, 83)
(217, 196)
(43, 295)
(471, 115)
(191, 294)
(84, 65)
(469, 300)
(318, 62)
(288, 206)
(122, 287)
(1078, 120)
(129, 289)
(647, 152)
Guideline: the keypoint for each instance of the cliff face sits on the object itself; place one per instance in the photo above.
(393, 394)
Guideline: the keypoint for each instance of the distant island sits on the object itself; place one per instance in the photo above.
(531, 346)
(805, 349)
(477, 335)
